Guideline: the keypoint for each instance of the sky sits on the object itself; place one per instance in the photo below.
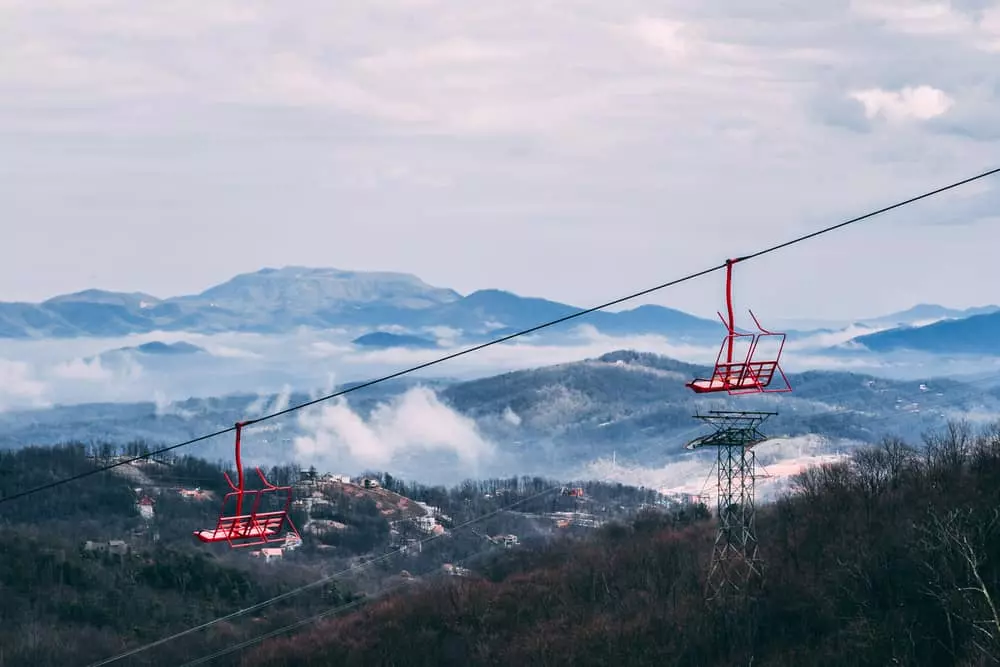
(576, 150)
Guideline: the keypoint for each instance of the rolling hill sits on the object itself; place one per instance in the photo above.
(542, 420)
(978, 334)
(385, 339)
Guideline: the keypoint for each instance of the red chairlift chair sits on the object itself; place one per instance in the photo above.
(750, 372)
(255, 528)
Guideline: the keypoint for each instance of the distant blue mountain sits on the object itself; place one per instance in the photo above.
(979, 334)
(924, 312)
(384, 339)
(280, 300)
(159, 349)
(156, 347)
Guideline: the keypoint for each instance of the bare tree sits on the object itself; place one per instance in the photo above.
(955, 545)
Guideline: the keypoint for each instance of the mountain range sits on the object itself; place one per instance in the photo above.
(549, 419)
(386, 309)
(280, 300)
(978, 334)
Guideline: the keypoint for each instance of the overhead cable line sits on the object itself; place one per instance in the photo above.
(319, 582)
(503, 339)
(355, 568)
(326, 613)
(380, 595)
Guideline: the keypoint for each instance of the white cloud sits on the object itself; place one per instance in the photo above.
(936, 18)
(520, 354)
(19, 387)
(230, 352)
(281, 401)
(919, 17)
(83, 369)
(428, 122)
(909, 103)
(449, 52)
(665, 36)
(511, 417)
(415, 423)
(324, 349)
(779, 459)
(832, 338)
(164, 407)
(260, 405)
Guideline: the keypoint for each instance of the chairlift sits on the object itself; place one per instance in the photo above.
(749, 372)
(241, 529)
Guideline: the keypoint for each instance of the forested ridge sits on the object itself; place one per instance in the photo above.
(892, 557)
(83, 576)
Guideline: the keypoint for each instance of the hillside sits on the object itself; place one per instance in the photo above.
(977, 334)
(546, 420)
(925, 313)
(81, 571)
(84, 574)
(624, 400)
(881, 560)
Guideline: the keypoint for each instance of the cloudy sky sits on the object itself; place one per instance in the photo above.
(577, 149)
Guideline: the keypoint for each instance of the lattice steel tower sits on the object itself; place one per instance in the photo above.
(736, 569)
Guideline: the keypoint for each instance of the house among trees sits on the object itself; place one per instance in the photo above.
(508, 541)
(195, 494)
(270, 553)
(145, 507)
(116, 547)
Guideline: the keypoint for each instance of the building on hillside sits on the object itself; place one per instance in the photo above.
(509, 541)
(340, 479)
(270, 554)
(370, 483)
(117, 547)
(320, 526)
(194, 494)
(145, 507)
(425, 523)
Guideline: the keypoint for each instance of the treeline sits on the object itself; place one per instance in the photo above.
(888, 558)
(526, 493)
(63, 601)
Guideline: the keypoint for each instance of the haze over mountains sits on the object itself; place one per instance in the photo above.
(558, 418)
(102, 365)
(280, 300)
(404, 311)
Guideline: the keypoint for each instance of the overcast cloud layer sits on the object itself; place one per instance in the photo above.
(575, 150)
